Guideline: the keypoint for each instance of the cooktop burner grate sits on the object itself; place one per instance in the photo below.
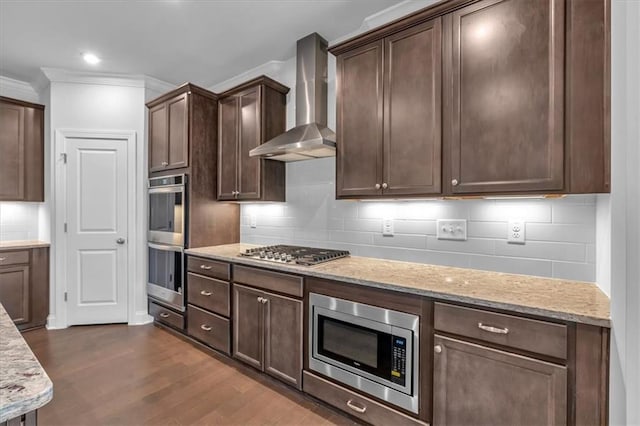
(307, 256)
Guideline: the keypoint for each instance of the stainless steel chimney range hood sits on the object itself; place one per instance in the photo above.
(311, 138)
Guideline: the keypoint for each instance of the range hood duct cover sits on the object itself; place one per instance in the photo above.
(311, 138)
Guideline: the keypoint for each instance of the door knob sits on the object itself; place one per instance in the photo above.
(120, 240)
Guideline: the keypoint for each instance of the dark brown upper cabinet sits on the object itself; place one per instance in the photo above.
(21, 150)
(477, 97)
(389, 115)
(507, 102)
(248, 116)
(183, 139)
(169, 133)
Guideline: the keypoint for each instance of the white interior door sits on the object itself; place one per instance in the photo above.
(97, 240)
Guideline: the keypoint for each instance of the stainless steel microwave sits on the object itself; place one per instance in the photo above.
(372, 349)
(167, 210)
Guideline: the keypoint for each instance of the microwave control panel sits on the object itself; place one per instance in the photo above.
(398, 360)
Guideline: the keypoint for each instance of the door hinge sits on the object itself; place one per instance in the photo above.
(63, 156)
(65, 227)
(65, 296)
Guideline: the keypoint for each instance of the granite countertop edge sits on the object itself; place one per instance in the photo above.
(24, 406)
(22, 244)
(476, 301)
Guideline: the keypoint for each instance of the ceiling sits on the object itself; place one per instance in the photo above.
(205, 42)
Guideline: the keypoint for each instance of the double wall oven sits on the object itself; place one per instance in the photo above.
(167, 239)
(372, 349)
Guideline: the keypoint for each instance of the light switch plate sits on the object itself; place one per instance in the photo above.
(253, 220)
(452, 229)
(516, 232)
(387, 227)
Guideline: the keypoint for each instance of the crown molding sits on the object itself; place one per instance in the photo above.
(59, 75)
(12, 88)
(270, 69)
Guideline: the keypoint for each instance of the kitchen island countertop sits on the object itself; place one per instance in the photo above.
(24, 385)
(566, 300)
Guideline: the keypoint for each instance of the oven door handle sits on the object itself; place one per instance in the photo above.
(166, 189)
(161, 247)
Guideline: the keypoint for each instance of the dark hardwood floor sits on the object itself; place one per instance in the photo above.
(143, 375)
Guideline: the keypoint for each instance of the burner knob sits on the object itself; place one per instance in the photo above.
(289, 258)
(276, 256)
(262, 255)
(269, 255)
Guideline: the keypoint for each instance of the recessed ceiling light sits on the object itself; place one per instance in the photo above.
(90, 58)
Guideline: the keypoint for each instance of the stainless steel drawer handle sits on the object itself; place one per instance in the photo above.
(164, 315)
(206, 293)
(2, 259)
(492, 329)
(205, 267)
(205, 327)
(355, 408)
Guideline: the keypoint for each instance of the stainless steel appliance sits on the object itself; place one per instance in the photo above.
(372, 349)
(307, 256)
(167, 205)
(166, 274)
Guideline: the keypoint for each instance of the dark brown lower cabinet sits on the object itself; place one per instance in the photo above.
(478, 385)
(267, 333)
(24, 286)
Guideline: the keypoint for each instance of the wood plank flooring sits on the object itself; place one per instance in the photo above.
(143, 375)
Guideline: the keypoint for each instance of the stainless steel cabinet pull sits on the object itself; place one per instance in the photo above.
(165, 164)
(164, 315)
(205, 267)
(205, 293)
(264, 300)
(205, 327)
(2, 258)
(437, 349)
(377, 186)
(259, 299)
(355, 408)
(492, 329)
(385, 186)
(454, 182)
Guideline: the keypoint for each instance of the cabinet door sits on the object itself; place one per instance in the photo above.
(412, 111)
(283, 339)
(507, 108)
(248, 325)
(359, 122)
(470, 387)
(178, 112)
(249, 138)
(14, 293)
(227, 148)
(158, 142)
(12, 152)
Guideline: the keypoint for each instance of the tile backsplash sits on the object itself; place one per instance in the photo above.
(19, 221)
(560, 233)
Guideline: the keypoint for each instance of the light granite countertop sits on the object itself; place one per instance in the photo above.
(24, 385)
(22, 244)
(566, 300)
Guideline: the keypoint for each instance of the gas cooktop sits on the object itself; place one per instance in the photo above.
(307, 256)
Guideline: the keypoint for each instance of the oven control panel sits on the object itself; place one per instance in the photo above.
(398, 360)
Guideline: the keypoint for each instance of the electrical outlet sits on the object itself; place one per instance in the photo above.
(387, 227)
(452, 229)
(253, 220)
(516, 232)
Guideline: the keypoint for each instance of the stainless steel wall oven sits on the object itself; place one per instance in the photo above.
(166, 274)
(167, 210)
(372, 349)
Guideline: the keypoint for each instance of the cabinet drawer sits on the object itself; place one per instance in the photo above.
(359, 406)
(208, 293)
(521, 333)
(210, 268)
(268, 280)
(166, 316)
(14, 257)
(209, 328)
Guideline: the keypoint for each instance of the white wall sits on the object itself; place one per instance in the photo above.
(93, 106)
(618, 254)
